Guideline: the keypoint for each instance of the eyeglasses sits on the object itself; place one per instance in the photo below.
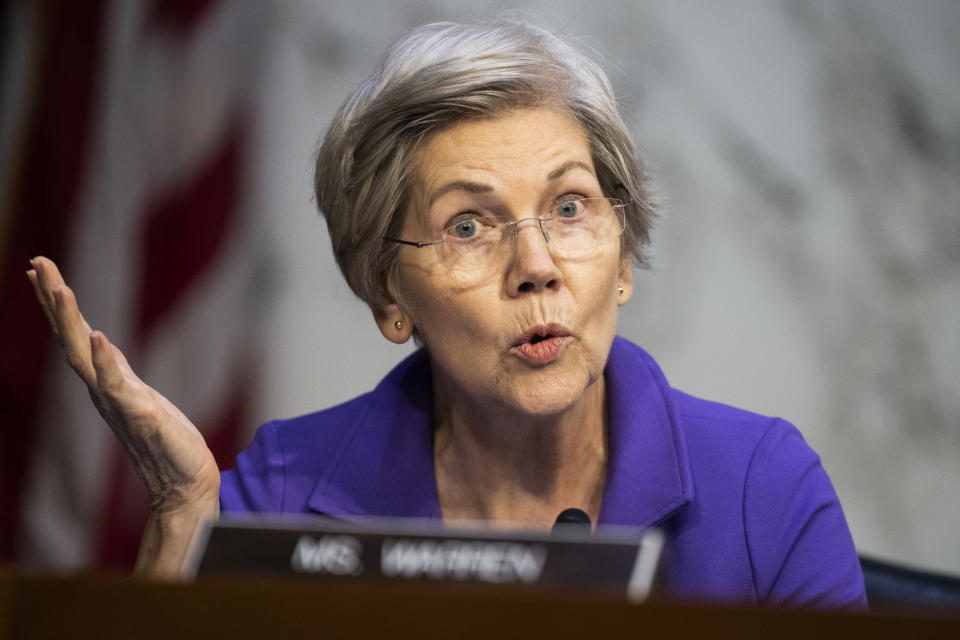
(571, 228)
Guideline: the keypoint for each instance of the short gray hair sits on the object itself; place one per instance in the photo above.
(432, 78)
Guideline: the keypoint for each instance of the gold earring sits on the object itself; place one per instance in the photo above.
(619, 290)
(398, 324)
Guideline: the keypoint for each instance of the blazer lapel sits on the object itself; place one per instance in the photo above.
(648, 472)
(385, 468)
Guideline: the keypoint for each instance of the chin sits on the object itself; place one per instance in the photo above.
(550, 397)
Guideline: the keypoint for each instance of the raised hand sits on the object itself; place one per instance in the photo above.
(166, 449)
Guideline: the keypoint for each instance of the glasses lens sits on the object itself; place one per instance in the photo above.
(472, 244)
(583, 225)
(571, 227)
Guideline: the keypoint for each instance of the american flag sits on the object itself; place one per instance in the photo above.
(126, 159)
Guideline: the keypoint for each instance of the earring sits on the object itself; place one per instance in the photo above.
(398, 324)
(619, 290)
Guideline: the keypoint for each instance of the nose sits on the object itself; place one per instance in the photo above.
(533, 268)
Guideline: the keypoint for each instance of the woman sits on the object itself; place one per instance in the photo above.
(483, 197)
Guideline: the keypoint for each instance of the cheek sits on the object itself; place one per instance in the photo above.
(445, 320)
(598, 288)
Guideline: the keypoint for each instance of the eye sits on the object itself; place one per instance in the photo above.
(569, 209)
(465, 228)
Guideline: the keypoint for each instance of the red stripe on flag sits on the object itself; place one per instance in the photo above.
(43, 209)
(125, 504)
(184, 231)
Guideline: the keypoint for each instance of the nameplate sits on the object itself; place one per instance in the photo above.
(613, 561)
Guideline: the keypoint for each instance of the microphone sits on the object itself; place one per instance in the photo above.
(572, 521)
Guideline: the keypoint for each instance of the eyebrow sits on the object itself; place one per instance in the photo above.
(567, 166)
(460, 185)
(478, 187)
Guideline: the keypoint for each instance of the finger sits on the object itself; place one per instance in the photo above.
(109, 389)
(42, 299)
(48, 276)
(74, 333)
(109, 378)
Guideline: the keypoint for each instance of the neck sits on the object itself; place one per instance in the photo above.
(497, 464)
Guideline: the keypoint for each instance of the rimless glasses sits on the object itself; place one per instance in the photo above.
(572, 228)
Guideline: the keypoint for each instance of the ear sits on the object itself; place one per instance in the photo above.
(625, 280)
(395, 325)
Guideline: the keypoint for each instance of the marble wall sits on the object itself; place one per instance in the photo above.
(806, 156)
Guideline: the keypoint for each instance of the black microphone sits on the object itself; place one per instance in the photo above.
(572, 521)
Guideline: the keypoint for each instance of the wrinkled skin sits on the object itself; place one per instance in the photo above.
(166, 449)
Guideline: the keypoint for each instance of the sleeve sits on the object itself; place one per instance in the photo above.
(800, 548)
(258, 482)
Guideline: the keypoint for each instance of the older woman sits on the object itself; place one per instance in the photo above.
(483, 197)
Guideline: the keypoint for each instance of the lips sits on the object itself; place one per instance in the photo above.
(541, 344)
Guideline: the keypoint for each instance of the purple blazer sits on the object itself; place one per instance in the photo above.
(749, 513)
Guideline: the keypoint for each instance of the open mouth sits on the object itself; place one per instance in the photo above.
(540, 333)
(540, 345)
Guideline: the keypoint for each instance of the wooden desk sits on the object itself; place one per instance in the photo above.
(116, 607)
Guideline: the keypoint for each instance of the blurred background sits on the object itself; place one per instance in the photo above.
(806, 155)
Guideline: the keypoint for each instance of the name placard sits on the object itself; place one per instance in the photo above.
(613, 561)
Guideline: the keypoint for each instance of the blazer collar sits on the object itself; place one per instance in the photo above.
(385, 468)
(648, 470)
